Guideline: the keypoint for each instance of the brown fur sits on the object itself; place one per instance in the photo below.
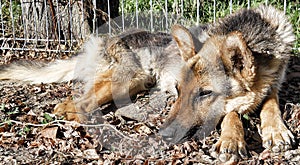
(102, 92)
(239, 67)
(230, 75)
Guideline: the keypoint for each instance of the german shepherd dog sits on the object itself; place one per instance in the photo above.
(216, 71)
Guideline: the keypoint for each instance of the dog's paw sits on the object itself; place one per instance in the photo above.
(276, 136)
(229, 148)
(69, 111)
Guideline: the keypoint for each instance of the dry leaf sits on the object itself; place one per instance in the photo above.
(91, 154)
(265, 154)
(142, 129)
(49, 132)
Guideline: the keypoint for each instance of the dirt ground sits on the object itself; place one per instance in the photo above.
(30, 134)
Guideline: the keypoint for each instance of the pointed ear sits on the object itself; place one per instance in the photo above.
(184, 41)
(240, 57)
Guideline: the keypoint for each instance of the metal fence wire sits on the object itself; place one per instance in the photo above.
(62, 25)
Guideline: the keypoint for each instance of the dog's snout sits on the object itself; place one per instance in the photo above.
(150, 82)
(167, 133)
(174, 132)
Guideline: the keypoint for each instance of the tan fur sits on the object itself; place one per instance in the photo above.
(104, 90)
(229, 78)
(231, 143)
(238, 68)
(232, 73)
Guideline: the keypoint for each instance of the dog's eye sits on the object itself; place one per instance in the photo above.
(205, 93)
(202, 95)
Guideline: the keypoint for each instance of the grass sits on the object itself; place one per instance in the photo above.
(188, 11)
(6, 8)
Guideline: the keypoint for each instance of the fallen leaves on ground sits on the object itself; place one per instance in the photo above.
(30, 134)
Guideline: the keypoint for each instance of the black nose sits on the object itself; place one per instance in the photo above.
(150, 82)
(167, 133)
(174, 132)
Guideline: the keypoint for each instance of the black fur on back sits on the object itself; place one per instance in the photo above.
(260, 33)
(140, 39)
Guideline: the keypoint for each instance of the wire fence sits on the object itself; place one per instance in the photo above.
(62, 25)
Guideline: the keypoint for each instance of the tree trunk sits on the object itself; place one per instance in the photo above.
(65, 20)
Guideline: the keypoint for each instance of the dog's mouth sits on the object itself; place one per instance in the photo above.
(177, 133)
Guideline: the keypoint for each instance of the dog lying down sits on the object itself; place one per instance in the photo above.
(217, 71)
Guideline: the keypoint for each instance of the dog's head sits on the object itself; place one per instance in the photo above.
(214, 81)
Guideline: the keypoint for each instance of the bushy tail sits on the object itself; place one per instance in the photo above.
(78, 67)
(265, 29)
(35, 72)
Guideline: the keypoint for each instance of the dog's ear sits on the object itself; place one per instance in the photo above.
(239, 58)
(184, 41)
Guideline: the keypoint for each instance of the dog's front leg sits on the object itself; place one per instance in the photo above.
(231, 145)
(275, 135)
(99, 93)
(76, 109)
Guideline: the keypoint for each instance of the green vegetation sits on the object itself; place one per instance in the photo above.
(47, 118)
(188, 11)
(6, 8)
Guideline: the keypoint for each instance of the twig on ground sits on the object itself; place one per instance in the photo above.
(58, 123)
